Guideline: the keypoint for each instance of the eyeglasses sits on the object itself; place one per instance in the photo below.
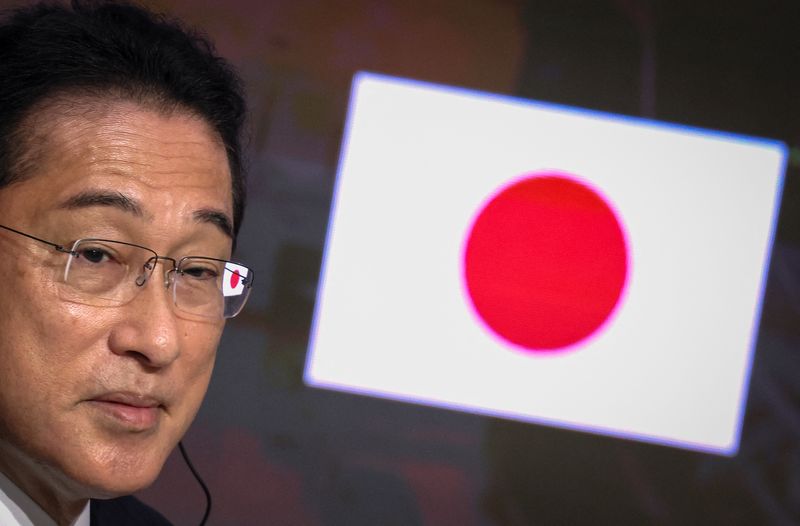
(103, 272)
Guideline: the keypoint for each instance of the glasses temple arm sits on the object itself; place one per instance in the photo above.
(56, 246)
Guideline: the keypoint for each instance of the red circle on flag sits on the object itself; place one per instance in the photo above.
(545, 262)
(234, 279)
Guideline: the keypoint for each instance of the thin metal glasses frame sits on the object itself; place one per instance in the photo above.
(247, 281)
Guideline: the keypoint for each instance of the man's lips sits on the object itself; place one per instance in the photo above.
(134, 411)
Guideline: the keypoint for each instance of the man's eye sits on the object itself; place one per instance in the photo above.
(95, 255)
(200, 272)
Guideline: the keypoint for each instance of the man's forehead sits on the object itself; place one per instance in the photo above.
(128, 158)
(66, 122)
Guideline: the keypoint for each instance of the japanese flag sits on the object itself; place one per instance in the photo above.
(546, 264)
(233, 279)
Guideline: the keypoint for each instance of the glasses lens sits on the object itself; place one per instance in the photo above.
(211, 288)
(102, 272)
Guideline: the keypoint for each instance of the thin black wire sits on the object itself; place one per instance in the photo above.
(199, 481)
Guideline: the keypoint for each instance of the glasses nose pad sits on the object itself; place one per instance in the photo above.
(147, 270)
(169, 277)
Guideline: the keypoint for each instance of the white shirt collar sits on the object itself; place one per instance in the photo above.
(18, 509)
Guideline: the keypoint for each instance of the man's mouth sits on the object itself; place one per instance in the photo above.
(133, 411)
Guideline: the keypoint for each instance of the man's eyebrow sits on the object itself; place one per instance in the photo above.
(217, 218)
(129, 204)
(103, 198)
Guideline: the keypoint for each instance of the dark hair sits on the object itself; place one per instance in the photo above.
(119, 50)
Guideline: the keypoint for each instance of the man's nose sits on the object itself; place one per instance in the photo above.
(146, 327)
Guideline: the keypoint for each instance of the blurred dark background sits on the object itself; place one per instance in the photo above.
(276, 452)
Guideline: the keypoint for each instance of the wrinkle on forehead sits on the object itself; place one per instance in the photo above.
(69, 117)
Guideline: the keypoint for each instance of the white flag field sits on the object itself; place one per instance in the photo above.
(545, 264)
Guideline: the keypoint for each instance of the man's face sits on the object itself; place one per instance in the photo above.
(93, 399)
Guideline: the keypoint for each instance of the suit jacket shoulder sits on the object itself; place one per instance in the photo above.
(124, 511)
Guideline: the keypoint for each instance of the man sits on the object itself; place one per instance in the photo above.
(121, 193)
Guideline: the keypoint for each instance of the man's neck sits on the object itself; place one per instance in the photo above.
(18, 508)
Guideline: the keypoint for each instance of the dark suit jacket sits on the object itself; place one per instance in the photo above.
(124, 511)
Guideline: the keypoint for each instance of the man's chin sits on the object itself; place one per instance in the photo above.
(112, 485)
(113, 475)
(113, 460)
